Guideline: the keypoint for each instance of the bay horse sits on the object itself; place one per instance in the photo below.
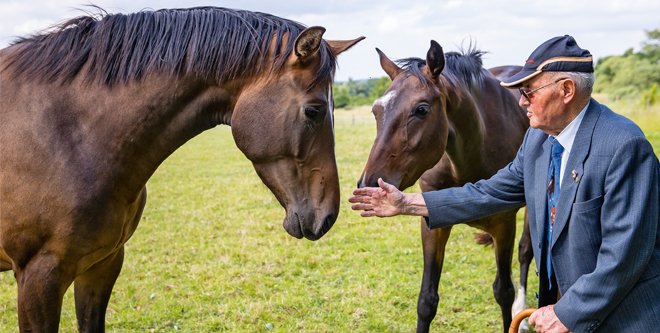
(90, 109)
(447, 121)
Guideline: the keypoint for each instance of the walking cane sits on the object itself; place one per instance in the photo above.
(515, 323)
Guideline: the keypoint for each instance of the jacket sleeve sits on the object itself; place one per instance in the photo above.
(628, 222)
(502, 192)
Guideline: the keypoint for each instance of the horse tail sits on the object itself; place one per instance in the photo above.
(483, 238)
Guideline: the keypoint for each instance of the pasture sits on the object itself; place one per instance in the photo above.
(210, 254)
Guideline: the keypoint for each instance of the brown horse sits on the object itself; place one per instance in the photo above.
(447, 121)
(91, 109)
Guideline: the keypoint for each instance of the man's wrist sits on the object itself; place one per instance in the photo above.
(414, 204)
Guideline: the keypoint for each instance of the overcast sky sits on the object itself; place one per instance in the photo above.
(509, 30)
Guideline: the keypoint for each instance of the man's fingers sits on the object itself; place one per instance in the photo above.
(365, 191)
(359, 199)
(368, 213)
(362, 206)
(532, 319)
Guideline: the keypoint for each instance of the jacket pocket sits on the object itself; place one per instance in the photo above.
(588, 205)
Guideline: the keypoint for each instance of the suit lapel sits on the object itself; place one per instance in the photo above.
(541, 186)
(570, 182)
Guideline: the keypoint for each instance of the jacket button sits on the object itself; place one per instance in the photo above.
(539, 245)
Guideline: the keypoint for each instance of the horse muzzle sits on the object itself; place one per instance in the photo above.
(308, 225)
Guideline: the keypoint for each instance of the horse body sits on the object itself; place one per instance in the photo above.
(79, 142)
(449, 123)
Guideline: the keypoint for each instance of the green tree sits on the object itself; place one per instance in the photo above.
(380, 87)
(651, 48)
(630, 73)
(341, 96)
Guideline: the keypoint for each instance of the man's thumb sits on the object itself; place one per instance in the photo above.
(385, 186)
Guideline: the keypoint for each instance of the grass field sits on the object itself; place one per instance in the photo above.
(211, 255)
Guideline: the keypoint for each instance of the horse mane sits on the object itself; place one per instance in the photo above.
(213, 43)
(461, 68)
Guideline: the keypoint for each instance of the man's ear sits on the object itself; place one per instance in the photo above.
(568, 89)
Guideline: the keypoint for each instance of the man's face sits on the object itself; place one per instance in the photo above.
(545, 107)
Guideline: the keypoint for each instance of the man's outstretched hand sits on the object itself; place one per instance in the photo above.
(386, 200)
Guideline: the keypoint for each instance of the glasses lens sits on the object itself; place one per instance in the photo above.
(524, 93)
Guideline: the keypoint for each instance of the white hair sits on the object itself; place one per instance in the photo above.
(584, 82)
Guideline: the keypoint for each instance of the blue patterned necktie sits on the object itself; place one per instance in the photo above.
(553, 196)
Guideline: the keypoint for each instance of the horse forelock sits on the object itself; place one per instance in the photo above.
(215, 44)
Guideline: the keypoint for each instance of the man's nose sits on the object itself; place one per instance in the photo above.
(523, 101)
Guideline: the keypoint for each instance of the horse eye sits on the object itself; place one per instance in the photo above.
(311, 112)
(422, 110)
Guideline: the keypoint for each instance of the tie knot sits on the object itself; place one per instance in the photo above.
(557, 148)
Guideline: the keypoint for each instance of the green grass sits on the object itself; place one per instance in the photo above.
(211, 255)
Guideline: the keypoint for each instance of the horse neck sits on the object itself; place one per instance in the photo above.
(139, 124)
(466, 132)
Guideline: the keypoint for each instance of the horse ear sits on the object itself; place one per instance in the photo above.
(339, 46)
(388, 65)
(435, 60)
(308, 42)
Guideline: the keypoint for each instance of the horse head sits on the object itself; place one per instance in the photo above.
(411, 118)
(283, 123)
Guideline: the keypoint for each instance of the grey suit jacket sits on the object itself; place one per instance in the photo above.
(606, 240)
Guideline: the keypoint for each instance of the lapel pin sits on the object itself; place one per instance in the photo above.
(575, 176)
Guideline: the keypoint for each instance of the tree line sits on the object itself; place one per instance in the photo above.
(355, 93)
(632, 73)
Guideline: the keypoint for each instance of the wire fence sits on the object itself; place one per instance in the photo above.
(355, 119)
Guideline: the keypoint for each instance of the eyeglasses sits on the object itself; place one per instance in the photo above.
(528, 93)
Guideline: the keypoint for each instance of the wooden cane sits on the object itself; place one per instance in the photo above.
(515, 323)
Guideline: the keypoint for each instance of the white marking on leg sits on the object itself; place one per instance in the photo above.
(519, 305)
(521, 301)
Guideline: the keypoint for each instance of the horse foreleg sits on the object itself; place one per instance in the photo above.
(525, 256)
(433, 243)
(503, 232)
(41, 287)
(92, 291)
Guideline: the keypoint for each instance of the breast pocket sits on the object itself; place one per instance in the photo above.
(584, 206)
(584, 229)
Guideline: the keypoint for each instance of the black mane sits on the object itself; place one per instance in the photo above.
(464, 68)
(216, 44)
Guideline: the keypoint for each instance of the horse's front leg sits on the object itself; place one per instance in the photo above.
(433, 243)
(93, 288)
(41, 287)
(92, 291)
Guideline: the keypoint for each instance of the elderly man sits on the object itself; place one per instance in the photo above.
(590, 181)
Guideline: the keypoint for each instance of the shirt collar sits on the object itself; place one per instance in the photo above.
(567, 136)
